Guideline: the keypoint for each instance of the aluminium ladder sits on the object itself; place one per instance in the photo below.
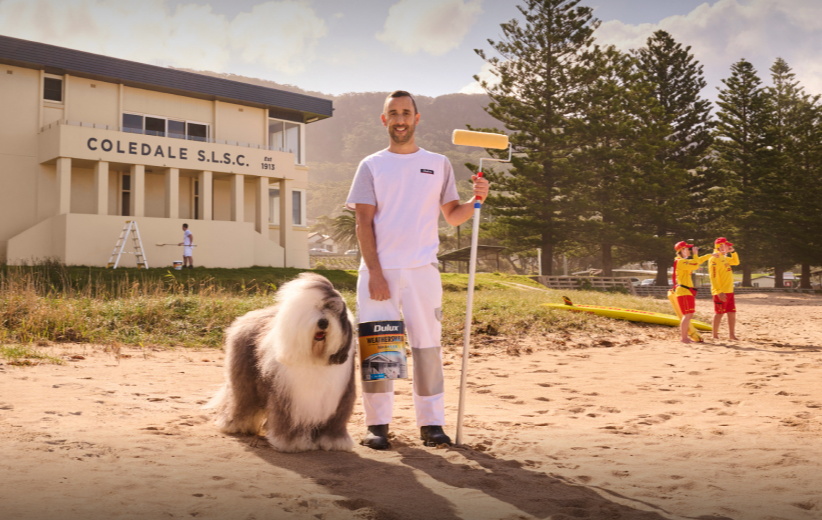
(129, 229)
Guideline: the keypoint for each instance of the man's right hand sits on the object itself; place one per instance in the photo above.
(722, 297)
(378, 287)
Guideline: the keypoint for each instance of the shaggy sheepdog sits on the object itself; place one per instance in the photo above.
(291, 367)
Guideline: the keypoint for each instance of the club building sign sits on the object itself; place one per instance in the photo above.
(97, 144)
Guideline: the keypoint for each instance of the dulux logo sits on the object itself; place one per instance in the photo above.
(386, 328)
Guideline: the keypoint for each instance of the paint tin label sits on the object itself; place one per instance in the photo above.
(382, 350)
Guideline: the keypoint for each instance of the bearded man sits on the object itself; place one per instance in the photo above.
(398, 194)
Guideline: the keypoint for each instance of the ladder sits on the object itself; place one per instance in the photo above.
(129, 229)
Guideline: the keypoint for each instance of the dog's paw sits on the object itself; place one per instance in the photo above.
(295, 445)
(345, 443)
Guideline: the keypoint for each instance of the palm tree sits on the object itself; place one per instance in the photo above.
(344, 231)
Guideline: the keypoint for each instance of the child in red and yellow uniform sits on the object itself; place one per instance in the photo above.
(722, 285)
(684, 286)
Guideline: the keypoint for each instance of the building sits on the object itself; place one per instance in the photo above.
(88, 142)
(767, 282)
(324, 242)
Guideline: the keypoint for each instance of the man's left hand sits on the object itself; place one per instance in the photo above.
(480, 187)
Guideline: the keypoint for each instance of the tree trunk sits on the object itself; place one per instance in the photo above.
(746, 275)
(806, 276)
(547, 257)
(778, 278)
(662, 270)
(607, 260)
(517, 269)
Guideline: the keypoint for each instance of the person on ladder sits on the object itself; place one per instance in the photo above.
(397, 195)
(188, 247)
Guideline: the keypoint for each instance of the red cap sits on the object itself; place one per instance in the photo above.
(722, 240)
(682, 244)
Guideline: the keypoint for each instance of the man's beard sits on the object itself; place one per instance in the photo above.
(399, 139)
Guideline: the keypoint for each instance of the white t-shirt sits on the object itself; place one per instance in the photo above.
(408, 191)
(187, 238)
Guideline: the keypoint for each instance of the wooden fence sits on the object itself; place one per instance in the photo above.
(578, 283)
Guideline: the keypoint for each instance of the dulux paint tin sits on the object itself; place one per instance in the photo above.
(382, 350)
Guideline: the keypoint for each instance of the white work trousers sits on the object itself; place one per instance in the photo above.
(417, 293)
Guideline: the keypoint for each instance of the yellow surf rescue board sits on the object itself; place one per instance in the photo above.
(693, 333)
(627, 314)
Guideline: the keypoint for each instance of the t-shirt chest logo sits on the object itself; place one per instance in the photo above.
(429, 172)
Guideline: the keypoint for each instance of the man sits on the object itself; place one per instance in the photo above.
(684, 290)
(188, 247)
(397, 195)
(722, 285)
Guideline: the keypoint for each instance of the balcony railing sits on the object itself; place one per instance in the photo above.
(160, 134)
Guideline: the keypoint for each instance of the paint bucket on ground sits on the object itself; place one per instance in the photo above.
(382, 350)
(178, 265)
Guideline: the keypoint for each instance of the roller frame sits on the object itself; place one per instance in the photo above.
(472, 269)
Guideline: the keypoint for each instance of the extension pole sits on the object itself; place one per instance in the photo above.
(466, 340)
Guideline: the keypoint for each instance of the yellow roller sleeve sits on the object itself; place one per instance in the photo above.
(481, 139)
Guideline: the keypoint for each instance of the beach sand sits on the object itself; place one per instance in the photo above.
(634, 426)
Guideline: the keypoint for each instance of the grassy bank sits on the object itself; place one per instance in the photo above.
(156, 308)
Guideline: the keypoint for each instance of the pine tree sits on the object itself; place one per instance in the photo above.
(743, 138)
(629, 189)
(543, 65)
(678, 80)
(793, 205)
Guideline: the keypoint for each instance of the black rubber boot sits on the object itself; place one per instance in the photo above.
(433, 436)
(377, 437)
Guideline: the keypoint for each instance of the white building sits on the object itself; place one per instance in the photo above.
(88, 142)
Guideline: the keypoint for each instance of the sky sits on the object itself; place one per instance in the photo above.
(424, 46)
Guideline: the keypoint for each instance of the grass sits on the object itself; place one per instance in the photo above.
(21, 355)
(161, 309)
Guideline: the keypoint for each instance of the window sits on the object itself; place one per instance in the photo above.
(155, 126)
(196, 200)
(284, 137)
(177, 129)
(162, 127)
(197, 132)
(53, 89)
(297, 207)
(132, 123)
(125, 195)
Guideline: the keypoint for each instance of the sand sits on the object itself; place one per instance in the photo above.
(632, 426)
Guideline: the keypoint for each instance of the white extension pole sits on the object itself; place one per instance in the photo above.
(466, 340)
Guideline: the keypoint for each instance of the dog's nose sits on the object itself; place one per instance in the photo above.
(323, 323)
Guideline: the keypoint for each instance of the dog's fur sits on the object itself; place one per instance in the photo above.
(281, 371)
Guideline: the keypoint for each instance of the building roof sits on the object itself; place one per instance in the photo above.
(60, 60)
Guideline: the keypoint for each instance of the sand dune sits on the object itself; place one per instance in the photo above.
(634, 426)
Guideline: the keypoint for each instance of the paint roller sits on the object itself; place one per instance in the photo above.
(483, 140)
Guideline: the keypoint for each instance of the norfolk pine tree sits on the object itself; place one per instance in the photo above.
(678, 81)
(742, 138)
(795, 183)
(543, 65)
(625, 134)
